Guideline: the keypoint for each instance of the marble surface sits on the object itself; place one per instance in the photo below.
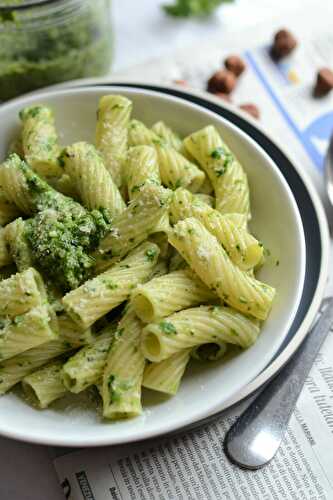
(142, 32)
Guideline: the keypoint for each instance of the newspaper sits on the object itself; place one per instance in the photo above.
(193, 465)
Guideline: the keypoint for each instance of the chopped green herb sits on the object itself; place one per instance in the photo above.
(137, 188)
(110, 284)
(167, 328)
(217, 153)
(151, 254)
(17, 320)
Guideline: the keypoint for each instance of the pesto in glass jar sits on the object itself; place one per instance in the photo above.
(43, 42)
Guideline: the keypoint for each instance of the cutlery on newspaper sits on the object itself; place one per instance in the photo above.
(256, 435)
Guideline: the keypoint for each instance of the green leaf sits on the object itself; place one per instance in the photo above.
(188, 8)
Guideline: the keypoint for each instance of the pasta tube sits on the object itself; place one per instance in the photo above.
(167, 294)
(175, 169)
(141, 169)
(94, 184)
(86, 367)
(71, 332)
(224, 170)
(147, 214)
(167, 135)
(210, 261)
(123, 373)
(112, 133)
(13, 370)
(242, 248)
(100, 295)
(18, 246)
(45, 385)
(166, 375)
(40, 140)
(196, 326)
(25, 332)
(21, 292)
(24, 188)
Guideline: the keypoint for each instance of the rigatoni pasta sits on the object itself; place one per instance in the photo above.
(21, 292)
(168, 135)
(40, 140)
(224, 170)
(86, 367)
(197, 326)
(17, 246)
(166, 375)
(146, 214)
(85, 167)
(210, 261)
(240, 245)
(13, 370)
(45, 385)
(123, 373)
(100, 295)
(141, 169)
(175, 169)
(112, 133)
(122, 262)
(25, 332)
(153, 300)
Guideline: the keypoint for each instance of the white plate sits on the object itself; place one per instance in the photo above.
(275, 220)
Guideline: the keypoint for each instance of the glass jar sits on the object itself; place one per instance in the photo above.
(51, 41)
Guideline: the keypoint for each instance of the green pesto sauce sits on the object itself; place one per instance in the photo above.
(61, 240)
(62, 233)
(53, 51)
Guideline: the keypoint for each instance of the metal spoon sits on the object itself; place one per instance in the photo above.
(257, 434)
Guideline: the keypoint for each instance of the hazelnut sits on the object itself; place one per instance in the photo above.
(235, 64)
(221, 81)
(324, 82)
(284, 43)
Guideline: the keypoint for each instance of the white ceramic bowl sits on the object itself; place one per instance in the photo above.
(204, 390)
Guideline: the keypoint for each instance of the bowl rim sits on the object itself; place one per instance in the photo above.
(197, 415)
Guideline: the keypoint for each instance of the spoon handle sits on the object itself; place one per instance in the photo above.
(256, 435)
